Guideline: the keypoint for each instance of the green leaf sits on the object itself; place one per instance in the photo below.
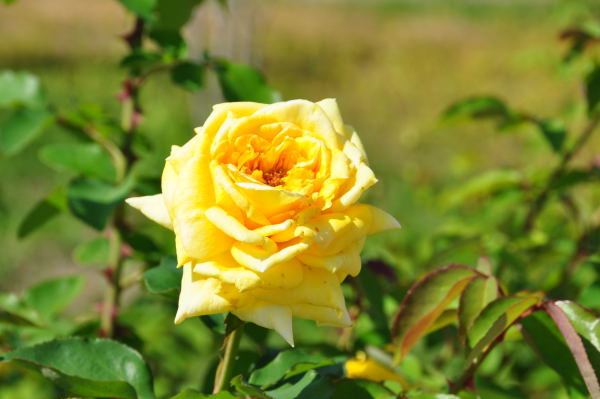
(573, 177)
(20, 89)
(584, 321)
(173, 18)
(93, 252)
(188, 75)
(592, 89)
(21, 127)
(360, 389)
(51, 296)
(548, 343)
(140, 59)
(372, 290)
(246, 389)
(165, 278)
(425, 302)
(279, 367)
(42, 212)
(577, 348)
(216, 322)
(87, 159)
(141, 8)
(93, 200)
(478, 294)
(96, 367)
(554, 131)
(171, 42)
(14, 311)
(310, 386)
(193, 394)
(241, 82)
(15, 319)
(485, 185)
(495, 318)
(480, 107)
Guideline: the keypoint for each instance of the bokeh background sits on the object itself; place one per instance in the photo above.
(394, 66)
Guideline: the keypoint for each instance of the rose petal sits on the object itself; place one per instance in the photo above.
(261, 260)
(323, 315)
(153, 207)
(276, 317)
(306, 115)
(330, 107)
(233, 228)
(199, 296)
(318, 288)
(226, 269)
(364, 179)
(346, 262)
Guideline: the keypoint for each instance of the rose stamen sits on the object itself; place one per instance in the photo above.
(274, 177)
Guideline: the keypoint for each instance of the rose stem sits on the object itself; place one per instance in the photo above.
(225, 368)
(131, 113)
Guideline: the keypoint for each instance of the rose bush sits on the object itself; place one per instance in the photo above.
(262, 201)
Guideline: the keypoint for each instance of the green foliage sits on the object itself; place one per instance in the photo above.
(592, 90)
(240, 82)
(426, 301)
(188, 75)
(164, 278)
(87, 159)
(93, 200)
(51, 296)
(93, 252)
(457, 331)
(21, 127)
(98, 367)
(42, 212)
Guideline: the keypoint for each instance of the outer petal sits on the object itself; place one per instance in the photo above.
(323, 315)
(318, 288)
(200, 296)
(200, 238)
(381, 220)
(277, 317)
(365, 368)
(226, 269)
(330, 107)
(364, 179)
(153, 207)
(346, 262)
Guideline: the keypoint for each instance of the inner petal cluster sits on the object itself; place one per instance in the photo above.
(277, 154)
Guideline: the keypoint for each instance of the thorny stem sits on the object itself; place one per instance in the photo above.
(540, 200)
(225, 368)
(131, 113)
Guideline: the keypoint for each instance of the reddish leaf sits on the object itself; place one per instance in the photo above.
(425, 302)
(576, 347)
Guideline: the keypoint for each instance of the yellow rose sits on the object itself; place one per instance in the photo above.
(366, 368)
(262, 203)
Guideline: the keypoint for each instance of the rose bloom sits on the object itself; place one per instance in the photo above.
(262, 201)
(366, 368)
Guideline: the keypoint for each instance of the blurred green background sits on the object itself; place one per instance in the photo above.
(393, 66)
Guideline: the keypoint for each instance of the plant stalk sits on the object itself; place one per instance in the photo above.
(225, 368)
(540, 200)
